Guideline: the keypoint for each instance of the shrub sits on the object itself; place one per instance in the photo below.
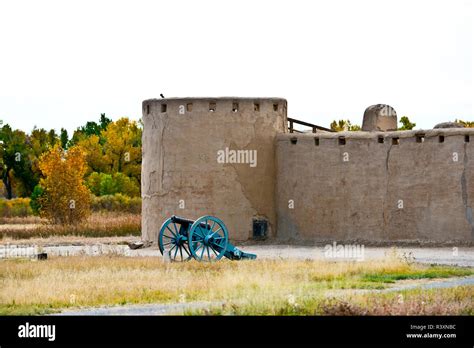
(66, 200)
(117, 202)
(16, 207)
(35, 204)
(102, 184)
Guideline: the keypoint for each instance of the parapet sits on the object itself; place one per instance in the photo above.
(221, 105)
(381, 137)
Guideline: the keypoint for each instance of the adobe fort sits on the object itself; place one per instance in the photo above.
(242, 160)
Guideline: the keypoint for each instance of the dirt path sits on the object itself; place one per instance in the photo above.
(443, 256)
(147, 309)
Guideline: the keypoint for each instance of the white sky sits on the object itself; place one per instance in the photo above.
(62, 63)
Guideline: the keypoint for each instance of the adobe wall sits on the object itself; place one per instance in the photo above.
(180, 171)
(418, 189)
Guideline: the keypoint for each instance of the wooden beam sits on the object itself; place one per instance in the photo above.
(307, 124)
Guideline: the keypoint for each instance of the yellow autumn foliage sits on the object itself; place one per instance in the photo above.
(66, 199)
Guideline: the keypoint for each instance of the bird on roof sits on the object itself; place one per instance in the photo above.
(161, 95)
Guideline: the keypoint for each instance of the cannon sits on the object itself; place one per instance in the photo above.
(205, 239)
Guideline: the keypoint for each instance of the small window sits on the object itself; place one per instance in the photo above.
(163, 107)
(342, 141)
(235, 107)
(275, 107)
(259, 228)
(212, 107)
(189, 107)
(380, 140)
(256, 107)
(148, 109)
(316, 141)
(294, 140)
(466, 138)
(420, 138)
(395, 141)
(441, 138)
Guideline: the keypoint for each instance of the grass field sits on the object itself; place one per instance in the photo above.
(104, 224)
(262, 287)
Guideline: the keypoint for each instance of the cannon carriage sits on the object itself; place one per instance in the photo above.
(205, 239)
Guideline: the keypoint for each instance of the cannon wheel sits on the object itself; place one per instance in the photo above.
(208, 238)
(172, 241)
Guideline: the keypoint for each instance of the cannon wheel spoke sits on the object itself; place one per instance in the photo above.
(199, 246)
(199, 233)
(212, 228)
(187, 251)
(176, 228)
(175, 253)
(216, 232)
(169, 229)
(174, 246)
(214, 250)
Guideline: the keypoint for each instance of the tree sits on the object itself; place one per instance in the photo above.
(89, 129)
(101, 184)
(64, 138)
(40, 141)
(466, 124)
(36, 196)
(16, 161)
(93, 128)
(406, 124)
(52, 137)
(96, 160)
(123, 147)
(344, 125)
(65, 198)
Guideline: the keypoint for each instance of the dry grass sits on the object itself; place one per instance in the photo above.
(69, 240)
(97, 225)
(452, 301)
(24, 220)
(247, 287)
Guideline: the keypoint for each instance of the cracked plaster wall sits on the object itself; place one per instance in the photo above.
(359, 199)
(180, 161)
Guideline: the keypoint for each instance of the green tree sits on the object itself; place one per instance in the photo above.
(36, 198)
(16, 161)
(89, 129)
(64, 138)
(101, 184)
(406, 124)
(52, 138)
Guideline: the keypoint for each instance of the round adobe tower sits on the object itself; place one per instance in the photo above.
(211, 156)
(379, 118)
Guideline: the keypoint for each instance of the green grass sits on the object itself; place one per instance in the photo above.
(429, 273)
